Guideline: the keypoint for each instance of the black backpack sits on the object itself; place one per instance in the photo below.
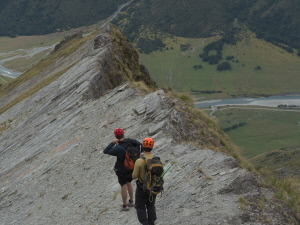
(132, 153)
(153, 181)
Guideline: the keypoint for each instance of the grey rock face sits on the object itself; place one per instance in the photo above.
(53, 171)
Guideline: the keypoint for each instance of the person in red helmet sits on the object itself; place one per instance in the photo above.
(145, 208)
(117, 148)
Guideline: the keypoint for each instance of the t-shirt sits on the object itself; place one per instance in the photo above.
(139, 168)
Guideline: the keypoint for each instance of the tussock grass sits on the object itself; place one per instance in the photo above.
(286, 189)
(203, 131)
(146, 89)
(243, 202)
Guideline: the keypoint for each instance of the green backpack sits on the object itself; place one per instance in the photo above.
(153, 181)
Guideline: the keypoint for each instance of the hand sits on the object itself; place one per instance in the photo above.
(115, 141)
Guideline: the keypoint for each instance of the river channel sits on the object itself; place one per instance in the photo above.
(273, 101)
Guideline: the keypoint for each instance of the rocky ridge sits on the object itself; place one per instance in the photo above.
(53, 171)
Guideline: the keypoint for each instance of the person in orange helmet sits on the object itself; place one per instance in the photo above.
(145, 208)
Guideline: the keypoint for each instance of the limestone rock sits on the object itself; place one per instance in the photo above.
(53, 171)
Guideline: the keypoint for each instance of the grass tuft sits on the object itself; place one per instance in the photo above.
(286, 189)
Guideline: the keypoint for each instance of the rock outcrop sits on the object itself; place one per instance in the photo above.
(53, 171)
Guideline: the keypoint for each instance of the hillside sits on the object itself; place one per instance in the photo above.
(56, 122)
(183, 69)
(275, 21)
(30, 17)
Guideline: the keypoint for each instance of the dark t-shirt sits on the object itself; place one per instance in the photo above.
(118, 150)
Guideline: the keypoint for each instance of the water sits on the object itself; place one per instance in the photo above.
(8, 73)
(273, 101)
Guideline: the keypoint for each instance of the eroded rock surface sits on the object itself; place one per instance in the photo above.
(53, 170)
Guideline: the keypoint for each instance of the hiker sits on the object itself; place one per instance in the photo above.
(117, 148)
(144, 201)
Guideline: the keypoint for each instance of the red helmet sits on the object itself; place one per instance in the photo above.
(148, 143)
(118, 131)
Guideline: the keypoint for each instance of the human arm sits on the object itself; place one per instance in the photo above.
(137, 169)
(115, 150)
(109, 147)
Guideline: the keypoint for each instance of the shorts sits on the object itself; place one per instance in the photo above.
(124, 178)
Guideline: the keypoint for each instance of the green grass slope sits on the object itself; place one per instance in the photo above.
(263, 131)
(285, 159)
(175, 68)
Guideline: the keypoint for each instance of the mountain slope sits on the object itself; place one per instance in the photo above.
(29, 17)
(275, 21)
(53, 170)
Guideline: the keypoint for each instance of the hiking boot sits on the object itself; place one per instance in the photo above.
(124, 208)
(130, 204)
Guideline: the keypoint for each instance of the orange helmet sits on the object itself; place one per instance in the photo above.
(148, 143)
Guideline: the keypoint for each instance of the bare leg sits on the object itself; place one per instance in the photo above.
(124, 194)
(130, 190)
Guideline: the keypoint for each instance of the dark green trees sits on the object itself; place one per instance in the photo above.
(224, 66)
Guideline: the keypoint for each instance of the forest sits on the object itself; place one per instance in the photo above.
(277, 21)
(30, 17)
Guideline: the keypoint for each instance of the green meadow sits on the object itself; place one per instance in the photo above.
(174, 68)
(263, 131)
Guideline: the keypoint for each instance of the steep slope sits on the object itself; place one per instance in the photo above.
(276, 21)
(273, 20)
(53, 170)
(29, 17)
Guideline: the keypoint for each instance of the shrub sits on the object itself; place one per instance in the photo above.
(257, 68)
(196, 67)
(224, 66)
(229, 57)
(147, 46)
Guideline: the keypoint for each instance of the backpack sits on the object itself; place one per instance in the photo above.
(153, 181)
(132, 153)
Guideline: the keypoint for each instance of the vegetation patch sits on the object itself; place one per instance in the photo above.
(172, 67)
(263, 130)
(203, 131)
(286, 190)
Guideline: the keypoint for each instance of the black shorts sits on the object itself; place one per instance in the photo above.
(124, 178)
